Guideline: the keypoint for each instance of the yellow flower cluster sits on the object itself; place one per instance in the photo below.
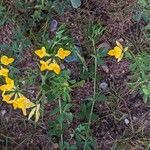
(117, 51)
(51, 64)
(8, 89)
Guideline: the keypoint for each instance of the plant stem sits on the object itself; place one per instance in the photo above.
(61, 125)
(42, 1)
(41, 89)
(94, 94)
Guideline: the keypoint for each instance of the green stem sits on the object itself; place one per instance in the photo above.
(94, 94)
(41, 90)
(61, 125)
(42, 1)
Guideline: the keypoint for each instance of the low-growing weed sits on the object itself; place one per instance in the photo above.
(140, 74)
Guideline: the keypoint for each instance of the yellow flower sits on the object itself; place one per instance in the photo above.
(23, 103)
(8, 86)
(62, 54)
(41, 52)
(6, 61)
(55, 67)
(117, 52)
(4, 72)
(44, 65)
(7, 98)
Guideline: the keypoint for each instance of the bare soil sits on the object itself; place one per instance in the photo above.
(123, 120)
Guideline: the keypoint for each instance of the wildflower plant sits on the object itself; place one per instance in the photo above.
(118, 51)
(55, 85)
(82, 133)
(10, 92)
(139, 79)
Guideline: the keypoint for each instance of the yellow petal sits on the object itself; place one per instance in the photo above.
(119, 45)
(51, 66)
(6, 61)
(44, 65)
(4, 72)
(24, 111)
(55, 67)
(41, 52)
(111, 52)
(9, 80)
(118, 52)
(14, 105)
(22, 103)
(9, 83)
(57, 70)
(7, 97)
(3, 87)
(62, 54)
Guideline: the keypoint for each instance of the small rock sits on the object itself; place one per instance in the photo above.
(104, 86)
(120, 40)
(105, 68)
(7, 119)
(3, 112)
(62, 66)
(104, 45)
(55, 146)
(126, 121)
(53, 25)
(23, 82)
(134, 118)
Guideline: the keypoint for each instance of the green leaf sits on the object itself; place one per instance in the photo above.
(45, 87)
(145, 90)
(78, 84)
(145, 98)
(53, 112)
(87, 147)
(137, 17)
(68, 116)
(50, 96)
(61, 118)
(100, 97)
(67, 107)
(75, 3)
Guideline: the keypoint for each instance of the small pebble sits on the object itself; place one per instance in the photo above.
(105, 68)
(134, 118)
(23, 82)
(104, 45)
(55, 146)
(126, 121)
(3, 112)
(104, 86)
(62, 66)
(53, 25)
(121, 40)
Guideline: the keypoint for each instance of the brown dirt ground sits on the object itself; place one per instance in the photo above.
(110, 130)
